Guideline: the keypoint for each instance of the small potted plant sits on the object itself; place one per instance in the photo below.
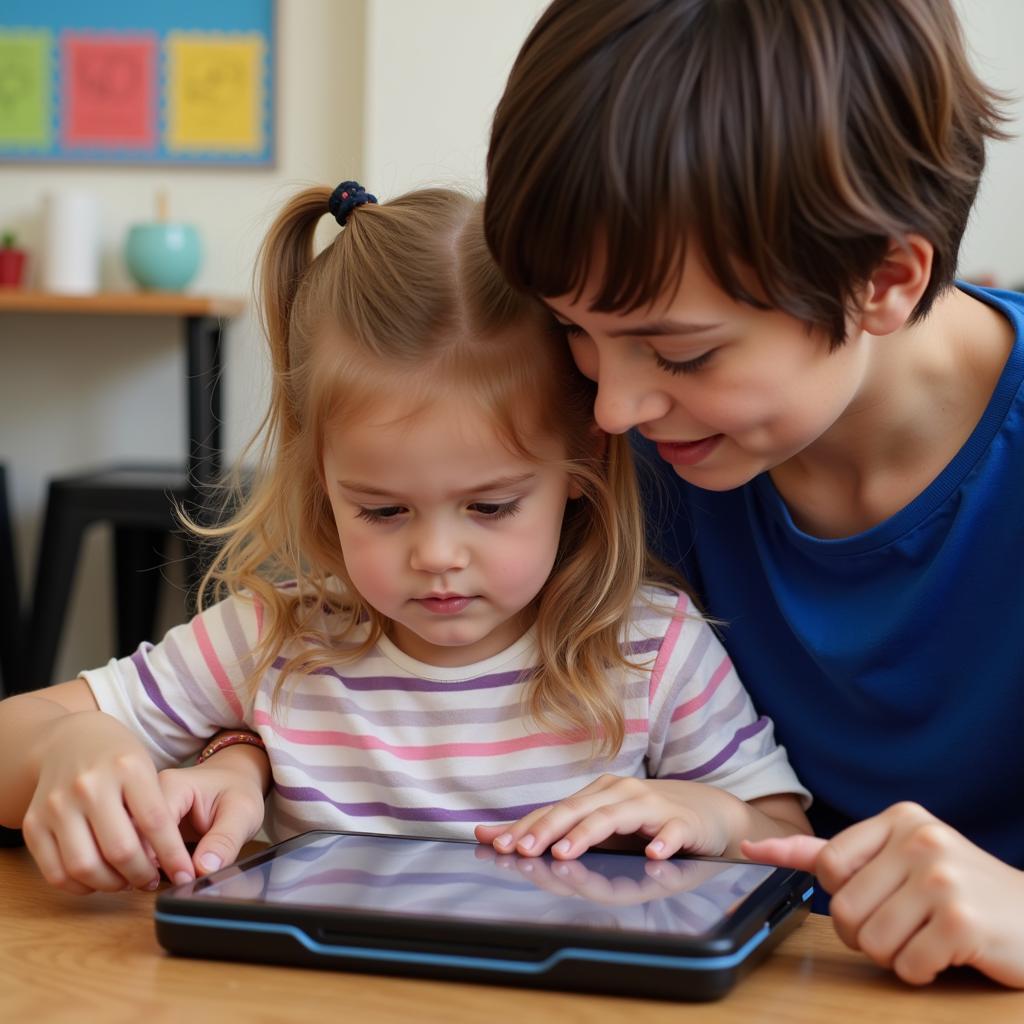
(12, 261)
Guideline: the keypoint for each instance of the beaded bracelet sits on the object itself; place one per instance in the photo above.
(229, 739)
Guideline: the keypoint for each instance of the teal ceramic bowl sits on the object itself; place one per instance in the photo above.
(161, 256)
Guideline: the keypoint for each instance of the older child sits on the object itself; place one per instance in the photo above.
(472, 630)
(746, 216)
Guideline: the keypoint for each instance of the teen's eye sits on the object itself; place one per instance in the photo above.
(494, 509)
(570, 330)
(380, 515)
(686, 366)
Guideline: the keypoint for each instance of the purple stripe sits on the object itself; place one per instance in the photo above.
(379, 683)
(648, 646)
(149, 684)
(377, 808)
(724, 754)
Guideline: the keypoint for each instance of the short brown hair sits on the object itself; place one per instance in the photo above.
(797, 138)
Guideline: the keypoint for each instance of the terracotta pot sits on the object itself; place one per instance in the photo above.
(12, 267)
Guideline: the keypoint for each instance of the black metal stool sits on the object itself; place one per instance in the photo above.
(11, 623)
(139, 502)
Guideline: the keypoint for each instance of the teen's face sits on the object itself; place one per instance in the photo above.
(445, 531)
(726, 390)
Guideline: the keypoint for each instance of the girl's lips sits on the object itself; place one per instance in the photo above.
(688, 453)
(445, 605)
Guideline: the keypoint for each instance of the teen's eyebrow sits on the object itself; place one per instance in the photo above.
(500, 483)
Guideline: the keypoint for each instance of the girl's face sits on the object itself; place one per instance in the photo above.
(443, 530)
(727, 391)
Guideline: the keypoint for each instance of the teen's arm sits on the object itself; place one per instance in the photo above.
(85, 793)
(914, 894)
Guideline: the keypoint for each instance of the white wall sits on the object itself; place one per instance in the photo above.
(992, 245)
(79, 391)
(434, 73)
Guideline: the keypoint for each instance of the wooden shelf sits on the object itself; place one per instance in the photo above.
(14, 300)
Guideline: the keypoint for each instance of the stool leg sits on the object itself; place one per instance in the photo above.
(138, 568)
(55, 571)
(11, 625)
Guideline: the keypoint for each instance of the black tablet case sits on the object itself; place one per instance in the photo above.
(586, 959)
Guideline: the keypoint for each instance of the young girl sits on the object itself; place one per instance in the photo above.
(472, 633)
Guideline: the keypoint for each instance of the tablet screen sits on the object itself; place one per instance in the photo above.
(473, 882)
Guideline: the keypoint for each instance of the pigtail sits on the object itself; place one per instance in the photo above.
(284, 259)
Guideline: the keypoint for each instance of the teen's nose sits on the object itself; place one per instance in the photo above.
(437, 549)
(624, 401)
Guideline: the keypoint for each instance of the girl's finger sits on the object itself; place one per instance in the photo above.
(43, 847)
(673, 836)
(606, 820)
(120, 844)
(234, 823)
(81, 857)
(558, 821)
(145, 802)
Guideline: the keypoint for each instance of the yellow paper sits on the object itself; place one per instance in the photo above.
(215, 92)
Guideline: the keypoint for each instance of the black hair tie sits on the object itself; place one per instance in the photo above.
(345, 198)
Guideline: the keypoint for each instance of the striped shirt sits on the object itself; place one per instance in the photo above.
(390, 744)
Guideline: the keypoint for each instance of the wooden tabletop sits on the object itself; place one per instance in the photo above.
(15, 300)
(69, 958)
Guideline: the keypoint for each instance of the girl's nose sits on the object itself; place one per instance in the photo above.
(437, 550)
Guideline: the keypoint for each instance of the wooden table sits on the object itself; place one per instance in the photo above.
(202, 317)
(68, 958)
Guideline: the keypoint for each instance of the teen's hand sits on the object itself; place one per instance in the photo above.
(98, 818)
(219, 802)
(914, 895)
(672, 815)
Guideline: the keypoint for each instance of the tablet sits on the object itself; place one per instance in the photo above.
(684, 928)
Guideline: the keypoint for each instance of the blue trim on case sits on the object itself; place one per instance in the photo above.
(686, 963)
(807, 895)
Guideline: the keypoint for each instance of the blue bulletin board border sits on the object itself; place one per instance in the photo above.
(201, 29)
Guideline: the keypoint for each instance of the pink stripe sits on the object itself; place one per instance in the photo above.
(216, 668)
(708, 692)
(430, 751)
(667, 646)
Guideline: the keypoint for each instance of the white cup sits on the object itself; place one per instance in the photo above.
(71, 243)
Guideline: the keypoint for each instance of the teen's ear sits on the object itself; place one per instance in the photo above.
(896, 286)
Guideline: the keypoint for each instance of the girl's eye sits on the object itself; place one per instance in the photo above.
(687, 366)
(380, 515)
(495, 510)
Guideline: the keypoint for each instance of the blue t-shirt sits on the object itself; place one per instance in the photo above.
(891, 661)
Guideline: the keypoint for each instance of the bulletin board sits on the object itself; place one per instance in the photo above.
(125, 81)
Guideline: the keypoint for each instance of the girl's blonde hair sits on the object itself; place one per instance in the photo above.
(407, 300)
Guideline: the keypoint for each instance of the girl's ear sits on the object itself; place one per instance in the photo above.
(896, 286)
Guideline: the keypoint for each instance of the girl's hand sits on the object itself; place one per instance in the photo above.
(219, 802)
(672, 815)
(98, 819)
(914, 895)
